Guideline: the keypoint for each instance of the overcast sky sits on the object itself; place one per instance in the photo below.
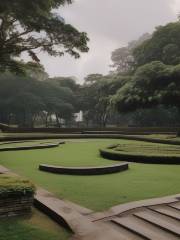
(110, 24)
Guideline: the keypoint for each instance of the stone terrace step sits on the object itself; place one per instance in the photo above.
(166, 223)
(125, 233)
(143, 229)
(175, 205)
(167, 211)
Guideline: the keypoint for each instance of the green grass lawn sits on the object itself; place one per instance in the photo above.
(95, 192)
(66, 155)
(35, 227)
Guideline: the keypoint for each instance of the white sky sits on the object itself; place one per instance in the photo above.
(110, 24)
(175, 6)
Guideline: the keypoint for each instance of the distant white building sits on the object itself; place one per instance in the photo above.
(78, 116)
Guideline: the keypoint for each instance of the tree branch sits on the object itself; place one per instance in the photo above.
(17, 36)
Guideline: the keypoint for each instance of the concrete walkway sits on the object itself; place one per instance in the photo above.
(80, 224)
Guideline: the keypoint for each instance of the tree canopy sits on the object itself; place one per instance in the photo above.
(24, 99)
(164, 46)
(123, 59)
(28, 26)
(148, 85)
(156, 79)
(96, 94)
(153, 84)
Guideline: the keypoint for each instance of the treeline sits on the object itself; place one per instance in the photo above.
(25, 101)
(142, 89)
(144, 86)
(155, 78)
(28, 102)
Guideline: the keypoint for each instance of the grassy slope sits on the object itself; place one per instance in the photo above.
(95, 192)
(36, 227)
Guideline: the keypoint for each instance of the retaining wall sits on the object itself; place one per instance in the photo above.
(84, 170)
(14, 206)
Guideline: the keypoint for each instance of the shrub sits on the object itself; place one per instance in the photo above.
(11, 186)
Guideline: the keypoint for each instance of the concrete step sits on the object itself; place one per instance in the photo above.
(175, 205)
(166, 223)
(167, 211)
(143, 229)
(126, 234)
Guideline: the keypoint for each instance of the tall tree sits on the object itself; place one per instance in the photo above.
(122, 58)
(24, 99)
(153, 84)
(36, 71)
(68, 82)
(164, 46)
(95, 97)
(27, 26)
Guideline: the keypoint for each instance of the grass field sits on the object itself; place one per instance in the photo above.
(35, 227)
(95, 192)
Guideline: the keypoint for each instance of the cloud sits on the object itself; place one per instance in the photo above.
(109, 24)
(175, 5)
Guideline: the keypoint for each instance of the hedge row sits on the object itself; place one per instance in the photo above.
(14, 187)
(95, 130)
(90, 136)
(108, 153)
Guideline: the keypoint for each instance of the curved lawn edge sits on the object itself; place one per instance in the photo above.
(110, 154)
(38, 146)
(84, 170)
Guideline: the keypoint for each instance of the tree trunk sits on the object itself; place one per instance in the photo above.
(57, 121)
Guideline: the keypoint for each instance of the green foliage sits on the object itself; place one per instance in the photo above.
(68, 82)
(95, 96)
(156, 116)
(24, 99)
(156, 79)
(151, 85)
(164, 46)
(27, 26)
(35, 70)
(15, 187)
(122, 58)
